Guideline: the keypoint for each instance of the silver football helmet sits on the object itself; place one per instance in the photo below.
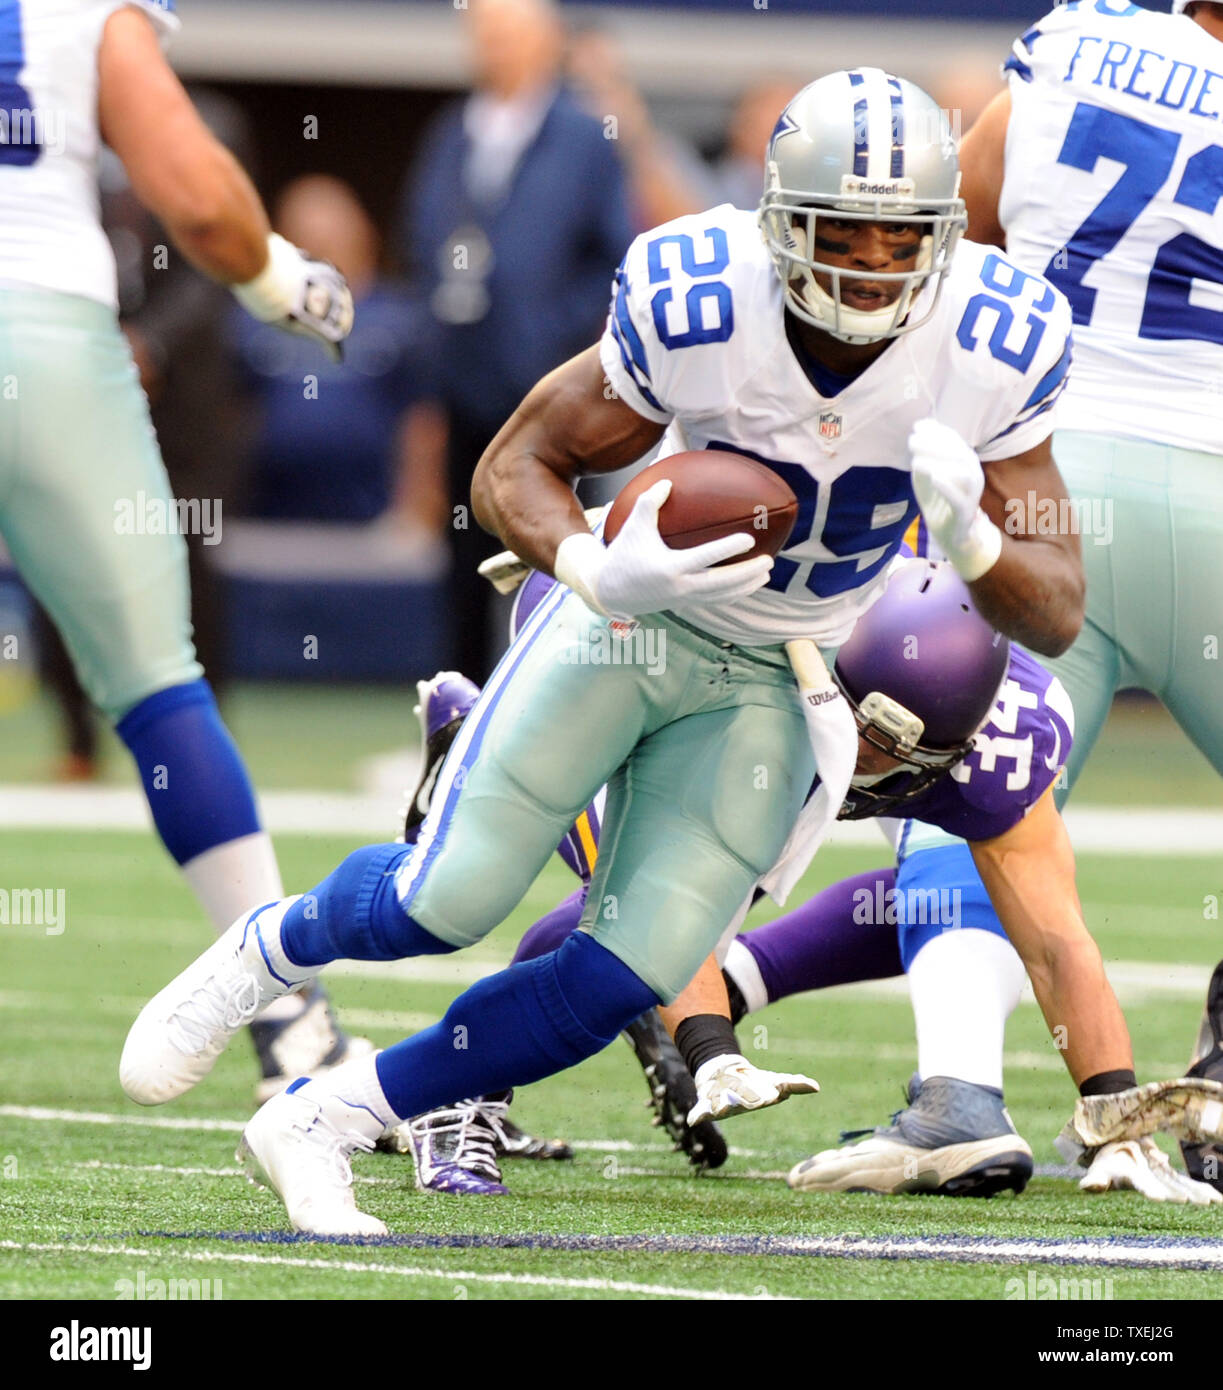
(861, 146)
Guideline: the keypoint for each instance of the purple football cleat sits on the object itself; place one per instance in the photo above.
(445, 701)
(455, 1150)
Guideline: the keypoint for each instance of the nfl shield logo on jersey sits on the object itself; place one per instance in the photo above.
(830, 425)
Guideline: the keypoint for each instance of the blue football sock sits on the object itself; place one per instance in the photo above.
(193, 775)
(529, 1021)
(937, 889)
(355, 914)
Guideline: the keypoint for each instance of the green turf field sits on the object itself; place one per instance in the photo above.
(1141, 758)
(96, 1191)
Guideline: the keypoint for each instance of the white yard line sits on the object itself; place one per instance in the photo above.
(96, 1117)
(94, 1165)
(1135, 982)
(453, 1276)
(1146, 830)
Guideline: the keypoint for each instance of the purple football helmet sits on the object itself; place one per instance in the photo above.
(921, 672)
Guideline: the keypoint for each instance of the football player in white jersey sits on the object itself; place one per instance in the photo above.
(86, 509)
(1101, 167)
(875, 363)
(1121, 112)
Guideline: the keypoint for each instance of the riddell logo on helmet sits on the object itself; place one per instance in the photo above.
(880, 188)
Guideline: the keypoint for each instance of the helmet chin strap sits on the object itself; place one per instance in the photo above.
(856, 326)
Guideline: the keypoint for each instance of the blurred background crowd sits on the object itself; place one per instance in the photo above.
(478, 206)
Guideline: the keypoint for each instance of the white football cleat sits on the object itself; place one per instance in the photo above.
(184, 1028)
(301, 1147)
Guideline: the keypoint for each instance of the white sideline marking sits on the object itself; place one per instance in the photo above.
(55, 807)
(684, 1173)
(676, 1171)
(403, 1271)
(97, 1117)
(96, 1164)
(817, 1049)
(459, 969)
(1146, 830)
(1134, 982)
(400, 1021)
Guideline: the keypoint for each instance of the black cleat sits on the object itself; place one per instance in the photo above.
(1205, 1161)
(492, 1127)
(512, 1142)
(673, 1092)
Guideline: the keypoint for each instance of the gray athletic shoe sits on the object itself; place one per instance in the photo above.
(955, 1138)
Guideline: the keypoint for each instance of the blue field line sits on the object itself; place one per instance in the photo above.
(1144, 1252)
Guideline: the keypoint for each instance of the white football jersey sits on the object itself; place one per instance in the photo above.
(696, 339)
(1113, 189)
(50, 235)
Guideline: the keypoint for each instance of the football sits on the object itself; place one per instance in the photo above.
(713, 494)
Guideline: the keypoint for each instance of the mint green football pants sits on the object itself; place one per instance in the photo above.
(1151, 523)
(1152, 536)
(79, 460)
(707, 760)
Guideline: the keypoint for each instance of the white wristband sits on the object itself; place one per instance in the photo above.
(978, 553)
(272, 294)
(579, 558)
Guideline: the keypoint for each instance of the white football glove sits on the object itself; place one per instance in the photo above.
(1139, 1165)
(730, 1085)
(640, 573)
(948, 481)
(300, 295)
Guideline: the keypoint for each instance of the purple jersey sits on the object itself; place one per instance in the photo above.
(1015, 758)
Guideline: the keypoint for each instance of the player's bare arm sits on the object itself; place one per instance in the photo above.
(705, 993)
(1036, 591)
(523, 490)
(184, 175)
(1029, 872)
(982, 163)
(178, 169)
(566, 427)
